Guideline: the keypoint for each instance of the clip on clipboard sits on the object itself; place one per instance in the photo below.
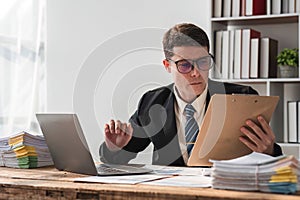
(218, 138)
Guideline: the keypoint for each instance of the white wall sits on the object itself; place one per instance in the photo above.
(103, 54)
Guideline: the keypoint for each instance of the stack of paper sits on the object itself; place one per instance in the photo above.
(3, 147)
(24, 150)
(257, 172)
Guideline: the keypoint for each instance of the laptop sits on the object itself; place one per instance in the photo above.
(69, 150)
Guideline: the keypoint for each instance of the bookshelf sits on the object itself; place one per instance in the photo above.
(285, 29)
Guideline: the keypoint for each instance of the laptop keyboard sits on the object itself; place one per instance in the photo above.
(113, 169)
(103, 169)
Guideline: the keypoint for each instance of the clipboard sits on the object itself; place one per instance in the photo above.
(218, 138)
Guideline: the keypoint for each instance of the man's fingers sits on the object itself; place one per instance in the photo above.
(256, 139)
(118, 127)
(106, 128)
(249, 144)
(112, 126)
(264, 131)
(256, 129)
(260, 131)
(266, 127)
(117, 134)
(123, 128)
(129, 129)
(252, 137)
(107, 132)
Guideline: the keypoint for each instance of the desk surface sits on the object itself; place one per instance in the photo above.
(49, 183)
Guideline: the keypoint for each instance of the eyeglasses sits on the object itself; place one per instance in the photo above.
(185, 66)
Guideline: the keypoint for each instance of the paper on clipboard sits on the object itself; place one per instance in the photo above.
(218, 138)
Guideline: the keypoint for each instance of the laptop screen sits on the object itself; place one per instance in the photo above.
(66, 143)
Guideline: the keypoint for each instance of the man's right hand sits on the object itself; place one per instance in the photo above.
(117, 134)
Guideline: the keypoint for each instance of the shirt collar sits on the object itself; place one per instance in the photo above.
(197, 103)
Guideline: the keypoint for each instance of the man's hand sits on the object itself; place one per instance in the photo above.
(117, 135)
(258, 138)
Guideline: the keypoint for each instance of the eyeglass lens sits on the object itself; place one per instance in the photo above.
(185, 66)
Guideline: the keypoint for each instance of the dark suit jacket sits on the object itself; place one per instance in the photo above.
(154, 121)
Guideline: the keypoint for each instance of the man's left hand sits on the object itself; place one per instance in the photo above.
(259, 138)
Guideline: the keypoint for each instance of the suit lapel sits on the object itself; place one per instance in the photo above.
(173, 153)
(170, 128)
(207, 99)
(214, 88)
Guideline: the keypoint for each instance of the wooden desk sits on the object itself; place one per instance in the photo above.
(48, 183)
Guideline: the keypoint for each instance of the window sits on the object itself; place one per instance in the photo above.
(22, 64)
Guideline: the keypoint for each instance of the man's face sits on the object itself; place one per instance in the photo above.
(192, 84)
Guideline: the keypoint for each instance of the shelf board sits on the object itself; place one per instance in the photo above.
(258, 19)
(289, 144)
(261, 80)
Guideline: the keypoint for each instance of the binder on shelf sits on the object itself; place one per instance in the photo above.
(218, 54)
(237, 54)
(269, 7)
(256, 7)
(254, 58)
(276, 6)
(285, 6)
(243, 7)
(231, 54)
(225, 55)
(268, 53)
(236, 8)
(292, 6)
(297, 6)
(217, 8)
(298, 117)
(292, 113)
(247, 35)
(226, 8)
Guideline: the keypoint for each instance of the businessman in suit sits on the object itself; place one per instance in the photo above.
(162, 113)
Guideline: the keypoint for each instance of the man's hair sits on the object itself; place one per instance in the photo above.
(184, 34)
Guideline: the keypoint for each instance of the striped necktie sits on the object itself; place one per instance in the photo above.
(191, 127)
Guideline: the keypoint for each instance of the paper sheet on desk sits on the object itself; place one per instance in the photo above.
(183, 181)
(167, 170)
(130, 179)
(253, 158)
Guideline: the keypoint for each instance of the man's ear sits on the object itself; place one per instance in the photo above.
(167, 65)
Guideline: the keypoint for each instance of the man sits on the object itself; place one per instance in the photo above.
(162, 116)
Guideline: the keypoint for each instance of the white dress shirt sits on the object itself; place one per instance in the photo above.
(199, 105)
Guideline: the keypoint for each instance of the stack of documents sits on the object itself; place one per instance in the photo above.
(3, 147)
(257, 172)
(24, 150)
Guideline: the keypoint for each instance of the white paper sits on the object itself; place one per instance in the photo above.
(183, 181)
(253, 158)
(167, 170)
(128, 179)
